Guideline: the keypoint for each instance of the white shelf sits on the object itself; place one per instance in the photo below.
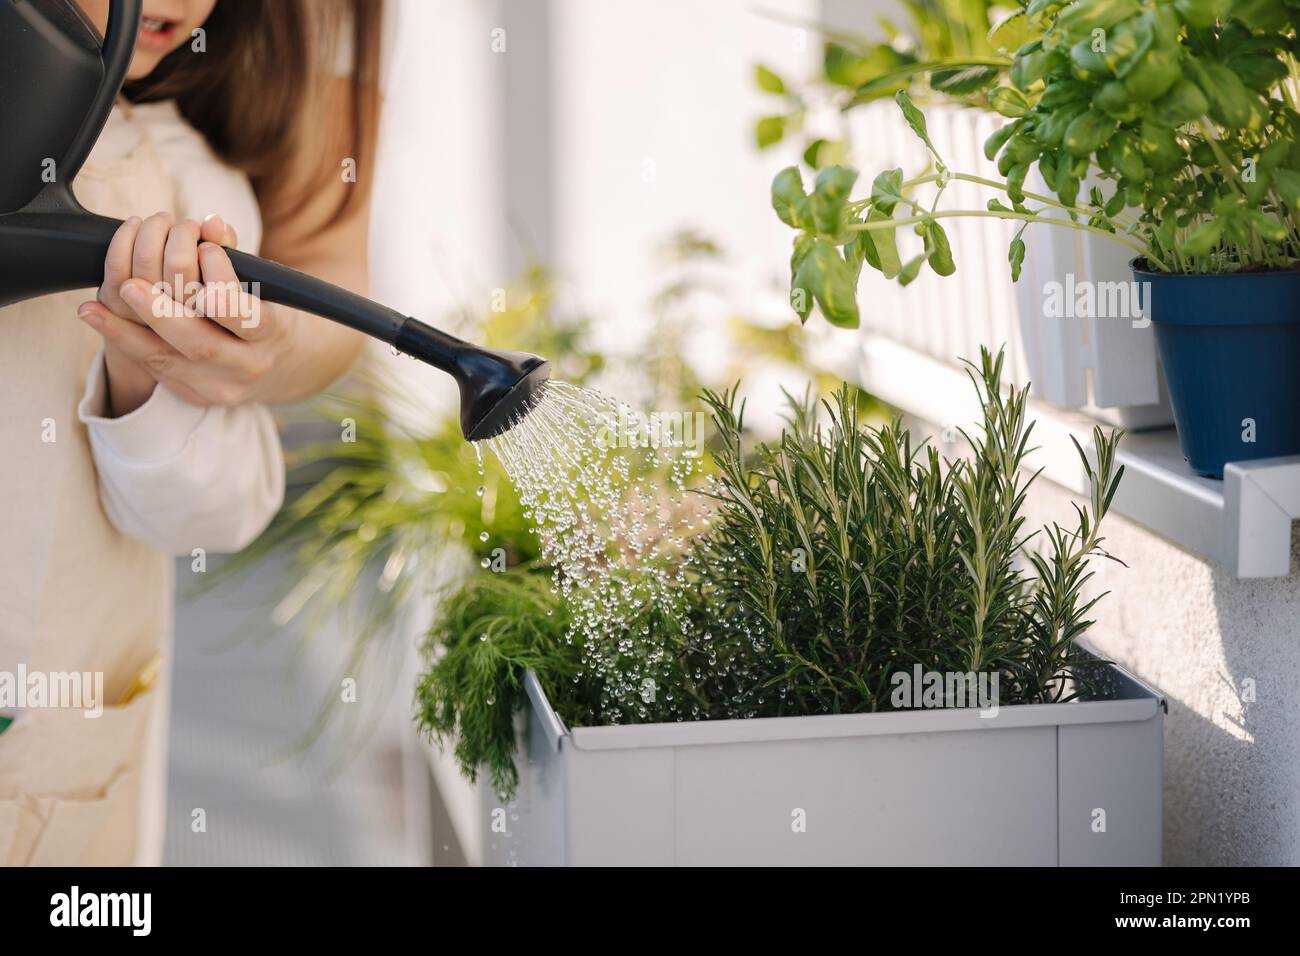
(1242, 522)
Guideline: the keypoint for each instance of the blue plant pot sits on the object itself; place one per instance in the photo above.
(1230, 346)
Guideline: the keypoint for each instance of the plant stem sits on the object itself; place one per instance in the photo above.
(995, 214)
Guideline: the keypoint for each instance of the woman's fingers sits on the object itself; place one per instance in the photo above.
(215, 229)
(172, 303)
(133, 340)
(180, 326)
(148, 350)
(150, 243)
(117, 266)
(224, 299)
(158, 249)
(181, 263)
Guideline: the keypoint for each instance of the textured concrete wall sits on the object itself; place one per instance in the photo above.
(1202, 636)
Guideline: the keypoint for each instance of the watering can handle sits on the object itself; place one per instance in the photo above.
(117, 50)
(278, 283)
(274, 282)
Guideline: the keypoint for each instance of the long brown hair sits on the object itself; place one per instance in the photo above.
(257, 93)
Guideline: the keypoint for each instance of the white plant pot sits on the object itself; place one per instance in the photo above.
(1107, 365)
(1106, 368)
(1045, 784)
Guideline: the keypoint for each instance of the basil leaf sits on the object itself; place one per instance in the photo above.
(1016, 182)
(1201, 14)
(1203, 238)
(1114, 98)
(911, 270)
(1088, 133)
(999, 137)
(938, 251)
(788, 198)
(1027, 69)
(769, 131)
(1088, 64)
(963, 81)
(1126, 45)
(916, 119)
(1016, 256)
(832, 283)
(887, 190)
(829, 196)
(885, 244)
(801, 293)
(1232, 103)
(1009, 102)
(767, 80)
(1153, 75)
(1184, 103)
(1287, 183)
(1084, 16)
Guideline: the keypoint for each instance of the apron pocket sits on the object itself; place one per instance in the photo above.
(70, 791)
(63, 753)
(62, 831)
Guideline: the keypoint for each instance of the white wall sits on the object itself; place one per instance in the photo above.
(654, 112)
(436, 234)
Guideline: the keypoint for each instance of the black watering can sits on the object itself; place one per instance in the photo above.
(57, 86)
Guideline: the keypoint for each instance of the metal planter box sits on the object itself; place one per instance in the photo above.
(1076, 784)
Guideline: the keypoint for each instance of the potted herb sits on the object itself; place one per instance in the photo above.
(947, 57)
(1185, 112)
(853, 615)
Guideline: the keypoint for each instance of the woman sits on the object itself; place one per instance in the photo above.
(142, 430)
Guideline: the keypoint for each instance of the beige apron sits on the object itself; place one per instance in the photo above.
(75, 594)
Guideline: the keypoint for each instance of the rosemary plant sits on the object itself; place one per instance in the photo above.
(844, 553)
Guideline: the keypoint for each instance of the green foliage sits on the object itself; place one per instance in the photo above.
(853, 553)
(490, 630)
(947, 44)
(834, 558)
(1186, 111)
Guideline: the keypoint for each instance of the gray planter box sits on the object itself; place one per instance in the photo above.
(1029, 786)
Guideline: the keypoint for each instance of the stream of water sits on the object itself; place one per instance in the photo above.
(611, 519)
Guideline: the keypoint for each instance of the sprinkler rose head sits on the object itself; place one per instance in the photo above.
(501, 390)
(497, 388)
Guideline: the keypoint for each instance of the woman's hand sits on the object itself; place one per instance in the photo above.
(171, 311)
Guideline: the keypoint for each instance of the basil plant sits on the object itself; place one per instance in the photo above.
(1182, 112)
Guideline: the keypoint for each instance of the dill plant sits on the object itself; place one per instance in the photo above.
(489, 631)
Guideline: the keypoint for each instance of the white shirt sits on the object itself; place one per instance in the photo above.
(170, 474)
